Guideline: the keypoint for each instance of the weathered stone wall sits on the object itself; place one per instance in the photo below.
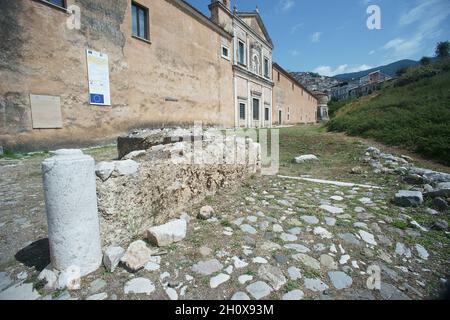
(177, 78)
(161, 181)
(291, 98)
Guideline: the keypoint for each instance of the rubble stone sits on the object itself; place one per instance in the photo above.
(112, 256)
(206, 212)
(306, 158)
(137, 255)
(166, 234)
(407, 198)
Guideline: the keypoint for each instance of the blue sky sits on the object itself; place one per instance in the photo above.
(331, 36)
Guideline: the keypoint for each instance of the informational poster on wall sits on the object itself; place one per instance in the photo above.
(98, 76)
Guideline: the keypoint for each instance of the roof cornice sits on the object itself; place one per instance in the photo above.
(252, 75)
(288, 75)
(221, 5)
(196, 14)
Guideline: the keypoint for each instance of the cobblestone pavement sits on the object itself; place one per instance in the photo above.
(270, 238)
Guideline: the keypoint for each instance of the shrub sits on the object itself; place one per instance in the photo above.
(443, 49)
(425, 61)
(401, 71)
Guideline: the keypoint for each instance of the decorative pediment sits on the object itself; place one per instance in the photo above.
(254, 21)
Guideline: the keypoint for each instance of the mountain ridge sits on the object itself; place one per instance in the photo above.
(313, 81)
(389, 69)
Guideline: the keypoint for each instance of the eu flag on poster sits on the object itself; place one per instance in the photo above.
(98, 77)
(97, 98)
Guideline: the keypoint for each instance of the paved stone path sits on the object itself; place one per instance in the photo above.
(272, 238)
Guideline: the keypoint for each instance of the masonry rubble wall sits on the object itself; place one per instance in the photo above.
(144, 139)
(153, 186)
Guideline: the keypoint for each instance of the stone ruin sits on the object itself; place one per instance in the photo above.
(144, 139)
(140, 196)
(162, 172)
(423, 183)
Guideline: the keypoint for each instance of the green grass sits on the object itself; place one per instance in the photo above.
(400, 224)
(291, 285)
(411, 112)
(7, 154)
(57, 293)
(209, 199)
(225, 223)
(11, 155)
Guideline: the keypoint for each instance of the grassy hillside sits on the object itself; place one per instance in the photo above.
(412, 111)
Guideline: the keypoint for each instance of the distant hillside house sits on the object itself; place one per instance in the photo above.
(315, 82)
(359, 87)
(292, 102)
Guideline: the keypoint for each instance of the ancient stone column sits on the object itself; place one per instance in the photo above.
(71, 205)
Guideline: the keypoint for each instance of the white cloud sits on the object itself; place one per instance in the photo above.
(425, 19)
(371, 52)
(295, 53)
(401, 48)
(295, 28)
(315, 37)
(286, 5)
(424, 11)
(329, 71)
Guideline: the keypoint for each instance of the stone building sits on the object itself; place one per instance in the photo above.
(369, 83)
(253, 73)
(292, 103)
(78, 72)
(165, 63)
(251, 56)
(322, 105)
(359, 87)
(342, 90)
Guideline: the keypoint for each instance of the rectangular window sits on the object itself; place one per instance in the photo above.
(266, 114)
(140, 21)
(58, 3)
(255, 109)
(225, 52)
(278, 77)
(266, 68)
(241, 52)
(242, 111)
(289, 114)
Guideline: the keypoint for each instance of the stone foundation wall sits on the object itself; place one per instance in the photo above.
(152, 186)
(144, 139)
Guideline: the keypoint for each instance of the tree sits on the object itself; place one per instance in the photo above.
(425, 61)
(401, 71)
(443, 49)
